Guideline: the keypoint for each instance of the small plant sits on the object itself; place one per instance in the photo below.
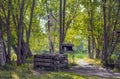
(116, 70)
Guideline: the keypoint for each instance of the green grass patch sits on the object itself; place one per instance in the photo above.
(25, 71)
(73, 57)
(23, 74)
(96, 62)
(63, 75)
(78, 54)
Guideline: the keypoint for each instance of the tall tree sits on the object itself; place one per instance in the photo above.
(2, 51)
(20, 33)
(8, 32)
(30, 23)
(29, 29)
(61, 27)
(64, 13)
(51, 48)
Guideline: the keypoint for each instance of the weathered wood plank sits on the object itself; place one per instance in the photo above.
(50, 61)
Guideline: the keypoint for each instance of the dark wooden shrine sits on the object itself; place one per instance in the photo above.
(50, 61)
(67, 47)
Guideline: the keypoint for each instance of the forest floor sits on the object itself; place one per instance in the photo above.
(86, 68)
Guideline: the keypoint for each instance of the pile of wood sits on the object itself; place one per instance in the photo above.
(50, 61)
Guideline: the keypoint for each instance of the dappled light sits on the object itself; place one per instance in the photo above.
(59, 39)
(15, 76)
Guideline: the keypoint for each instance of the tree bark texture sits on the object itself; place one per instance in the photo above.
(8, 33)
(104, 53)
(61, 27)
(2, 51)
(20, 33)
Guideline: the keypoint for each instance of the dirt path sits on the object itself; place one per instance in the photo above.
(87, 69)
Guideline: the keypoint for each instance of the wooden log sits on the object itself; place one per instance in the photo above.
(50, 61)
(65, 61)
(43, 64)
(61, 65)
(60, 58)
(43, 56)
(43, 60)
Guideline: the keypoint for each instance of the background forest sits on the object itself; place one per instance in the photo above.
(29, 27)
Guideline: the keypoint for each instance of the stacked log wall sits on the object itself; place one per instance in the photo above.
(50, 61)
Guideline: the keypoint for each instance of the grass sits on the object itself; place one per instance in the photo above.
(74, 56)
(22, 72)
(63, 75)
(92, 61)
(25, 71)
(78, 55)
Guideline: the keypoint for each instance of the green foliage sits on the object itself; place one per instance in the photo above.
(13, 57)
(78, 54)
(116, 70)
(73, 57)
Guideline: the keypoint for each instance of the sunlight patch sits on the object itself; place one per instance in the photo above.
(15, 76)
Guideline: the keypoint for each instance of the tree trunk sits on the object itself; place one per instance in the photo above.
(51, 49)
(97, 54)
(104, 53)
(91, 26)
(90, 30)
(2, 51)
(64, 10)
(92, 51)
(29, 29)
(25, 48)
(30, 24)
(8, 33)
(61, 28)
(20, 34)
(89, 48)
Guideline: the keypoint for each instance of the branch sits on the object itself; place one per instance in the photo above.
(115, 24)
(4, 11)
(69, 21)
(30, 24)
